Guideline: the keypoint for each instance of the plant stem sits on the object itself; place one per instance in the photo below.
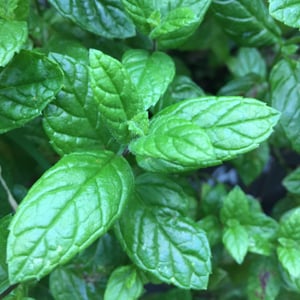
(12, 201)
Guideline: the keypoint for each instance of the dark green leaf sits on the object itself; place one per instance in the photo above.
(69, 207)
(203, 131)
(288, 12)
(24, 97)
(247, 21)
(292, 182)
(105, 18)
(288, 250)
(115, 93)
(123, 284)
(13, 35)
(213, 229)
(164, 243)
(285, 95)
(142, 67)
(72, 121)
(173, 294)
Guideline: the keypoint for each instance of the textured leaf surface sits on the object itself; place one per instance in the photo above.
(70, 206)
(292, 182)
(13, 35)
(236, 240)
(72, 121)
(247, 21)
(203, 131)
(288, 250)
(123, 284)
(287, 11)
(165, 244)
(22, 98)
(285, 95)
(143, 67)
(105, 18)
(7, 8)
(115, 93)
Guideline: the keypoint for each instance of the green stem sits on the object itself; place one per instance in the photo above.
(12, 201)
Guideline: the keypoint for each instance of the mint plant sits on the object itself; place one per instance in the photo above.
(119, 121)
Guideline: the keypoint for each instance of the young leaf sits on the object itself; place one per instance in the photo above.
(292, 182)
(13, 35)
(24, 97)
(71, 205)
(164, 243)
(203, 131)
(285, 95)
(72, 121)
(247, 21)
(142, 67)
(288, 250)
(115, 93)
(236, 240)
(287, 12)
(105, 18)
(123, 284)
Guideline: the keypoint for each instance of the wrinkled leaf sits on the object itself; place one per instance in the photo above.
(123, 284)
(24, 97)
(13, 35)
(105, 18)
(164, 243)
(292, 182)
(71, 205)
(143, 67)
(247, 21)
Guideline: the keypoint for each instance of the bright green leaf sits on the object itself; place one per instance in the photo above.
(287, 12)
(203, 131)
(7, 8)
(71, 205)
(72, 121)
(164, 243)
(285, 95)
(292, 182)
(115, 93)
(24, 97)
(236, 240)
(288, 250)
(13, 35)
(143, 67)
(105, 18)
(247, 21)
(123, 284)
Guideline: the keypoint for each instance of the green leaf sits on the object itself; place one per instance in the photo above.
(247, 61)
(105, 18)
(24, 97)
(72, 121)
(236, 240)
(115, 93)
(160, 190)
(66, 284)
(288, 250)
(7, 8)
(292, 182)
(247, 21)
(69, 207)
(235, 206)
(4, 282)
(164, 243)
(142, 67)
(287, 12)
(202, 132)
(213, 229)
(123, 284)
(264, 279)
(173, 294)
(285, 95)
(13, 35)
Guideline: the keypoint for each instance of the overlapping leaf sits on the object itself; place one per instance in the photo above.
(247, 21)
(70, 206)
(24, 97)
(292, 182)
(105, 18)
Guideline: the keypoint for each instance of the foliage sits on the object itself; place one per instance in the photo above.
(134, 139)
